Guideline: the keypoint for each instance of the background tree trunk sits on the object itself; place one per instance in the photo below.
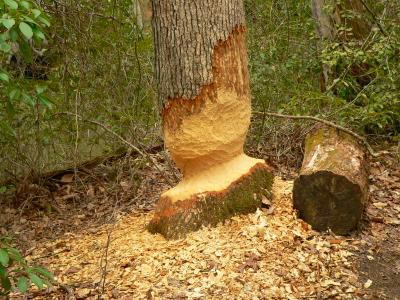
(326, 26)
(203, 85)
(333, 184)
(137, 12)
(325, 30)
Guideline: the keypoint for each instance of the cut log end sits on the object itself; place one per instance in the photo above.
(328, 201)
(332, 188)
(175, 219)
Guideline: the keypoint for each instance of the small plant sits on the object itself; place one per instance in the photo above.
(22, 32)
(16, 274)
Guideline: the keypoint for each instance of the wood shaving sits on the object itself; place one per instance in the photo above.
(259, 256)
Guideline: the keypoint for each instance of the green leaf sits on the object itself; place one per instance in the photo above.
(9, 131)
(4, 258)
(11, 112)
(14, 94)
(36, 280)
(8, 23)
(30, 20)
(3, 271)
(36, 12)
(14, 34)
(39, 34)
(4, 77)
(5, 47)
(4, 36)
(25, 4)
(44, 272)
(26, 30)
(11, 3)
(6, 284)
(26, 51)
(46, 102)
(44, 21)
(28, 99)
(16, 256)
(23, 284)
(40, 89)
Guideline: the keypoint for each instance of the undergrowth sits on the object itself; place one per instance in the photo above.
(95, 59)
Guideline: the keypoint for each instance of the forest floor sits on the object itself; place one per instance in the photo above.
(89, 229)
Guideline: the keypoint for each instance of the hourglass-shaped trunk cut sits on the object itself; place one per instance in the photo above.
(201, 68)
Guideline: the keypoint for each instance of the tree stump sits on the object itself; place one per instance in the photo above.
(332, 188)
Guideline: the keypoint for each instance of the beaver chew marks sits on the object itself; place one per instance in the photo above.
(205, 137)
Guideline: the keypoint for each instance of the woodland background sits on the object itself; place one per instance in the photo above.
(79, 120)
(97, 61)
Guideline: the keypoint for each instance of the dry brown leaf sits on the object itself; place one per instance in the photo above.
(72, 270)
(67, 178)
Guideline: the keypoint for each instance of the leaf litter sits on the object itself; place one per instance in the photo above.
(99, 252)
(259, 256)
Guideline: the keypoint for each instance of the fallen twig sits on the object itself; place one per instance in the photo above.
(67, 288)
(104, 267)
(328, 123)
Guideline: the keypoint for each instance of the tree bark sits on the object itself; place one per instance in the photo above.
(332, 188)
(137, 12)
(326, 24)
(323, 22)
(325, 30)
(203, 87)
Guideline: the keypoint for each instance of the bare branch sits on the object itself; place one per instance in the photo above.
(328, 123)
(144, 154)
(374, 17)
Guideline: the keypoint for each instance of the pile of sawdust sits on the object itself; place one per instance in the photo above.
(270, 254)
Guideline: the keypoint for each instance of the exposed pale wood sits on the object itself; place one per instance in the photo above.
(332, 188)
(201, 69)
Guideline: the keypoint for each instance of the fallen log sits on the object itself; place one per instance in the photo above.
(332, 188)
(82, 167)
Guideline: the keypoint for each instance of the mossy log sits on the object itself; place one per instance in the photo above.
(332, 188)
(175, 220)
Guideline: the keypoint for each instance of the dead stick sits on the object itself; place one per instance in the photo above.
(144, 154)
(104, 268)
(374, 17)
(328, 123)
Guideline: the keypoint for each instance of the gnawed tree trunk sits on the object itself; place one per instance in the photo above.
(333, 184)
(327, 24)
(201, 68)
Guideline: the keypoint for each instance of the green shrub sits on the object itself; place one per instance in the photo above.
(367, 75)
(16, 274)
(22, 26)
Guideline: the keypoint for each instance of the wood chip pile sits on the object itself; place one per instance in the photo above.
(267, 255)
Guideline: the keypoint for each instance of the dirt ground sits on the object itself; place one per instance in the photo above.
(89, 229)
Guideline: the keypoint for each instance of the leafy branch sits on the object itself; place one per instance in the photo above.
(16, 274)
